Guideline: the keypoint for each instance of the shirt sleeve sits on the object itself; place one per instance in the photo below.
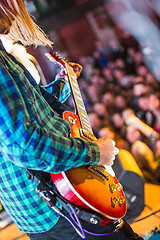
(59, 88)
(27, 144)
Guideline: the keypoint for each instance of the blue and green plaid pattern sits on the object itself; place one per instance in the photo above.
(32, 136)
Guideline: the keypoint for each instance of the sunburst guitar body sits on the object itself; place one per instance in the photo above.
(92, 187)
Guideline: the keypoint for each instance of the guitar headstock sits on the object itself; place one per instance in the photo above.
(56, 58)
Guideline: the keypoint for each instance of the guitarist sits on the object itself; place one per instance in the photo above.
(33, 137)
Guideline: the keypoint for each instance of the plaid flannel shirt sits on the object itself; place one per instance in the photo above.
(32, 136)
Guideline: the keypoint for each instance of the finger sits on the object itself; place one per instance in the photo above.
(113, 157)
(115, 151)
(63, 72)
(113, 143)
(112, 160)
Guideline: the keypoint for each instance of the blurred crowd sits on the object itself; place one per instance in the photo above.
(122, 98)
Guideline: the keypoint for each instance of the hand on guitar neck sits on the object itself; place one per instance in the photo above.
(107, 151)
(76, 67)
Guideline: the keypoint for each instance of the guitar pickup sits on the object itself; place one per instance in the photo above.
(98, 171)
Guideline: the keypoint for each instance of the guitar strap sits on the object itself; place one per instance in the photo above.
(54, 102)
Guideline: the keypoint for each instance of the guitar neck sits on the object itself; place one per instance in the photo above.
(78, 101)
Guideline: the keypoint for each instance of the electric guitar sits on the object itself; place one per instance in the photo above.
(93, 187)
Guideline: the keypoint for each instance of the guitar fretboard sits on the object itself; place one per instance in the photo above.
(79, 104)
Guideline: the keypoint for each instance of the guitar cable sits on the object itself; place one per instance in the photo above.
(83, 231)
(50, 197)
(149, 215)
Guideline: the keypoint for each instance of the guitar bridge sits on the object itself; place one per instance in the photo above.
(98, 172)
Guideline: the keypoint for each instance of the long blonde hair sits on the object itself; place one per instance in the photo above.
(21, 26)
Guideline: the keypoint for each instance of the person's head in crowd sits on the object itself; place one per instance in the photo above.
(139, 89)
(95, 79)
(86, 62)
(111, 65)
(127, 113)
(151, 80)
(132, 134)
(95, 122)
(120, 63)
(99, 82)
(102, 82)
(138, 79)
(138, 57)
(82, 60)
(92, 94)
(107, 131)
(153, 102)
(119, 74)
(108, 99)
(142, 70)
(130, 52)
(100, 60)
(114, 45)
(96, 71)
(117, 120)
(116, 50)
(101, 47)
(120, 102)
(124, 80)
(143, 102)
(100, 109)
(107, 73)
(143, 112)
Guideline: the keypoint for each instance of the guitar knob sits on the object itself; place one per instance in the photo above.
(121, 199)
(114, 200)
(119, 187)
(112, 187)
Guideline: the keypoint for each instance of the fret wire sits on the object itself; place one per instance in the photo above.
(81, 104)
(86, 125)
(87, 129)
(84, 120)
(78, 97)
(82, 114)
(83, 111)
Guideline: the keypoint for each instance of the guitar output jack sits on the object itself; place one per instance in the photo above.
(93, 221)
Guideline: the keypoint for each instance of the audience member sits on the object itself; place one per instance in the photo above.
(95, 122)
(154, 107)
